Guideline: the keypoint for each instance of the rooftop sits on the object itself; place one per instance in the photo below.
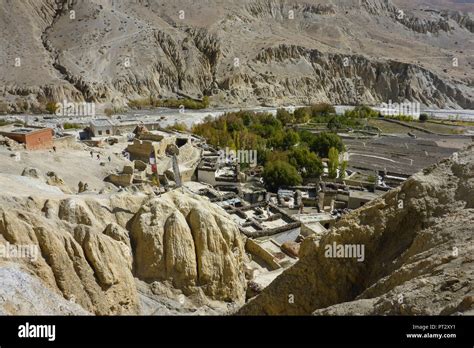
(101, 122)
(315, 217)
(20, 130)
(226, 172)
(363, 195)
(262, 219)
(23, 130)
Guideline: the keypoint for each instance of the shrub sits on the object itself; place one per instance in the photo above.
(423, 117)
(68, 125)
(51, 107)
(140, 103)
(205, 101)
(112, 111)
(404, 118)
(187, 103)
(4, 122)
(334, 124)
(178, 126)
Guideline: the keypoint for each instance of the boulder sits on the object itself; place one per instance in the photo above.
(32, 173)
(53, 179)
(121, 180)
(85, 255)
(118, 233)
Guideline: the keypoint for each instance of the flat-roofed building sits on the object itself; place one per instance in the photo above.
(263, 219)
(34, 138)
(315, 223)
(102, 127)
(211, 172)
(358, 198)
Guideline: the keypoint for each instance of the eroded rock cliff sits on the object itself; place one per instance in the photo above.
(192, 244)
(92, 249)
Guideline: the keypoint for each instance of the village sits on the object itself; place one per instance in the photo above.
(110, 155)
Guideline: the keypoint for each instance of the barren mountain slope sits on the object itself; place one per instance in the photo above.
(22, 24)
(418, 243)
(241, 52)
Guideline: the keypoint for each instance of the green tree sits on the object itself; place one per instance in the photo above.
(290, 139)
(334, 124)
(284, 140)
(277, 174)
(322, 109)
(333, 162)
(276, 141)
(306, 137)
(306, 162)
(342, 170)
(284, 117)
(361, 111)
(322, 142)
(273, 156)
(301, 115)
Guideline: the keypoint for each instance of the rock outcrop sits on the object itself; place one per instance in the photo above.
(90, 250)
(75, 258)
(191, 243)
(21, 293)
(51, 178)
(416, 259)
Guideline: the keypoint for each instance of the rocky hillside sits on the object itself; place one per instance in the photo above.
(249, 52)
(95, 250)
(418, 254)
